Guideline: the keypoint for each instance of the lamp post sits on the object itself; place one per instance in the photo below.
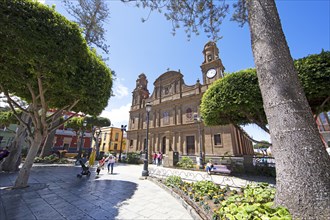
(198, 120)
(97, 142)
(81, 140)
(123, 128)
(145, 171)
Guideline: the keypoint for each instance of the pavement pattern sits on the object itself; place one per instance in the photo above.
(56, 193)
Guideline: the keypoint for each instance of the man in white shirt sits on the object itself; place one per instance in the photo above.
(111, 161)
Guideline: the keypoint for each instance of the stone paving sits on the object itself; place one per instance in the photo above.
(55, 192)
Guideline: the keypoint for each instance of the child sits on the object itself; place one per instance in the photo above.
(100, 165)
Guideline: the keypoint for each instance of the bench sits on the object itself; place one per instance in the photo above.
(220, 169)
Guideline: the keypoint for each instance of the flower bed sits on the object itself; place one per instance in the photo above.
(217, 203)
(51, 159)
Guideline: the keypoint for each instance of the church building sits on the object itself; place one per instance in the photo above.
(172, 119)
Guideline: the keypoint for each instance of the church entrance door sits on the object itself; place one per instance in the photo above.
(190, 141)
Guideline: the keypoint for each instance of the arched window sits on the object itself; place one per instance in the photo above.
(189, 114)
(166, 118)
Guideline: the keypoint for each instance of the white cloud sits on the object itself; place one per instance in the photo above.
(120, 90)
(118, 116)
(42, 1)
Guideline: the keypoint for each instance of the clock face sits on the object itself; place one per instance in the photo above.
(211, 73)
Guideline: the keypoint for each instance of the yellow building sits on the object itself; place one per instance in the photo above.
(112, 139)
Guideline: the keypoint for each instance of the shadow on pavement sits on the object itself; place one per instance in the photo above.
(56, 193)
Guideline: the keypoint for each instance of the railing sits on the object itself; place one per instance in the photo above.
(264, 161)
(193, 176)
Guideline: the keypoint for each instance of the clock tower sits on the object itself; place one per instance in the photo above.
(212, 67)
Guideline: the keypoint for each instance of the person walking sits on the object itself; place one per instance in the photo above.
(111, 161)
(154, 158)
(159, 158)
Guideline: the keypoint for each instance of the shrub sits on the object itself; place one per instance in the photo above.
(133, 158)
(63, 161)
(253, 202)
(173, 181)
(51, 159)
(24, 151)
(256, 203)
(38, 160)
(205, 187)
(186, 163)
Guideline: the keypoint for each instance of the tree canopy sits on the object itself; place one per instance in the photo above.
(314, 74)
(46, 61)
(7, 118)
(236, 98)
(49, 57)
(77, 122)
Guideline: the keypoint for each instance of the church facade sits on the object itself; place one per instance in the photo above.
(172, 119)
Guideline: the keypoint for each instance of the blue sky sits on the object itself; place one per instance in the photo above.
(150, 48)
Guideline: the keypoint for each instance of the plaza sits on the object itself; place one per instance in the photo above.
(55, 192)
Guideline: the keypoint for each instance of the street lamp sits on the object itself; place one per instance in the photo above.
(198, 120)
(97, 142)
(81, 140)
(123, 128)
(145, 171)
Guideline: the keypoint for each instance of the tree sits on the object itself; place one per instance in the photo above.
(90, 15)
(7, 118)
(94, 124)
(53, 68)
(302, 188)
(302, 182)
(236, 98)
(314, 75)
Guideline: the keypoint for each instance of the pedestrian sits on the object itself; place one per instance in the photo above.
(159, 158)
(4, 153)
(155, 158)
(111, 161)
(209, 167)
(100, 165)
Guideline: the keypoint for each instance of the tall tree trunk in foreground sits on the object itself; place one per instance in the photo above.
(302, 163)
(24, 173)
(48, 144)
(13, 160)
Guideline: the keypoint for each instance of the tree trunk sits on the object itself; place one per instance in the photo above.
(13, 160)
(302, 163)
(48, 144)
(24, 173)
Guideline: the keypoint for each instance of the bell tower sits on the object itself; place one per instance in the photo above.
(212, 67)
(141, 91)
